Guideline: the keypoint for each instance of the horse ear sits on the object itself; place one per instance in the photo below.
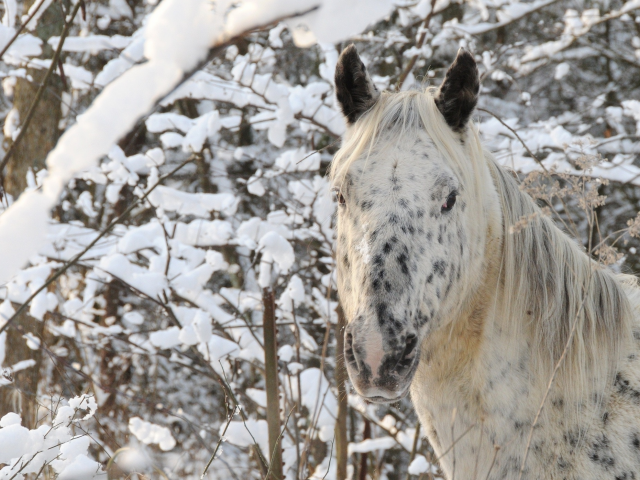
(458, 94)
(355, 91)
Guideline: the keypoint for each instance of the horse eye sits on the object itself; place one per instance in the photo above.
(339, 197)
(449, 202)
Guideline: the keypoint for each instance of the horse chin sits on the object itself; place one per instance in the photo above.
(379, 399)
(388, 397)
(379, 394)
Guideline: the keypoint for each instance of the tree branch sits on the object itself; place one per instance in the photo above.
(77, 258)
(419, 44)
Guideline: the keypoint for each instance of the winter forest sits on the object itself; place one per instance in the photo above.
(167, 281)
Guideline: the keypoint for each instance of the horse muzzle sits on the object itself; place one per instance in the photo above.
(379, 376)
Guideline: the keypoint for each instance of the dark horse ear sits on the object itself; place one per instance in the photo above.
(354, 88)
(458, 94)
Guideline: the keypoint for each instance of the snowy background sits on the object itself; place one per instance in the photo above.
(163, 189)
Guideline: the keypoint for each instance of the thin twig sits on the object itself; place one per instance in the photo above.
(479, 447)
(330, 457)
(213, 455)
(232, 395)
(539, 162)
(493, 461)
(22, 27)
(75, 259)
(414, 448)
(456, 441)
(405, 73)
(319, 150)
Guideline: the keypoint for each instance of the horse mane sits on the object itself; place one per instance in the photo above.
(559, 292)
(548, 282)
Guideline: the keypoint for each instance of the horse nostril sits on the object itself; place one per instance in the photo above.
(412, 342)
(408, 354)
(349, 353)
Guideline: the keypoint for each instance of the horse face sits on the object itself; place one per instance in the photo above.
(401, 244)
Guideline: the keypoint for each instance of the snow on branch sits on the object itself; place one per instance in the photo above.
(179, 35)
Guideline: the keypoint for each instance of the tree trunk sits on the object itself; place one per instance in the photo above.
(42, 133)
(41, 136)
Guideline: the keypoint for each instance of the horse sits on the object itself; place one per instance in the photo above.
(519, 351)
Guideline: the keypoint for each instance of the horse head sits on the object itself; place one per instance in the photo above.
(410, 230)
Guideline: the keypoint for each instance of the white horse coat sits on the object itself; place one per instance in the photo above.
(443, 301)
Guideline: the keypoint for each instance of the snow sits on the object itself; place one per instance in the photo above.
(41, 6)
(240, 434)
(251, 231)
(21, 231)
(171, 140)
(134, 318)
(205, 126)
(285, 353)
(203, 327)
(198, 204)
(54, 444)
(318, 398)
(119, 9)
(10, 419)
(128, 57)
(258, 396)
(3, 345)
(22, 365)
(508, 13)
(371, 445)
(293, 295)
(170, 53)
(146, 236)
(80, 467)
(218, 348)
(420, 465)
(204, 232)
(294, 368)
(168, 338)
(276, 249)
(11, 124)
(161, 122)
(334, 20)
(255, 186)
(149, 433)
(150, 283)
(298, 160)
(10, 11)
(91, 43)
(562, 69)
(26, 45)
(13, 438)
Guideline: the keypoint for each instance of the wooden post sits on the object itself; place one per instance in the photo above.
(271, 379)
(341, 419)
